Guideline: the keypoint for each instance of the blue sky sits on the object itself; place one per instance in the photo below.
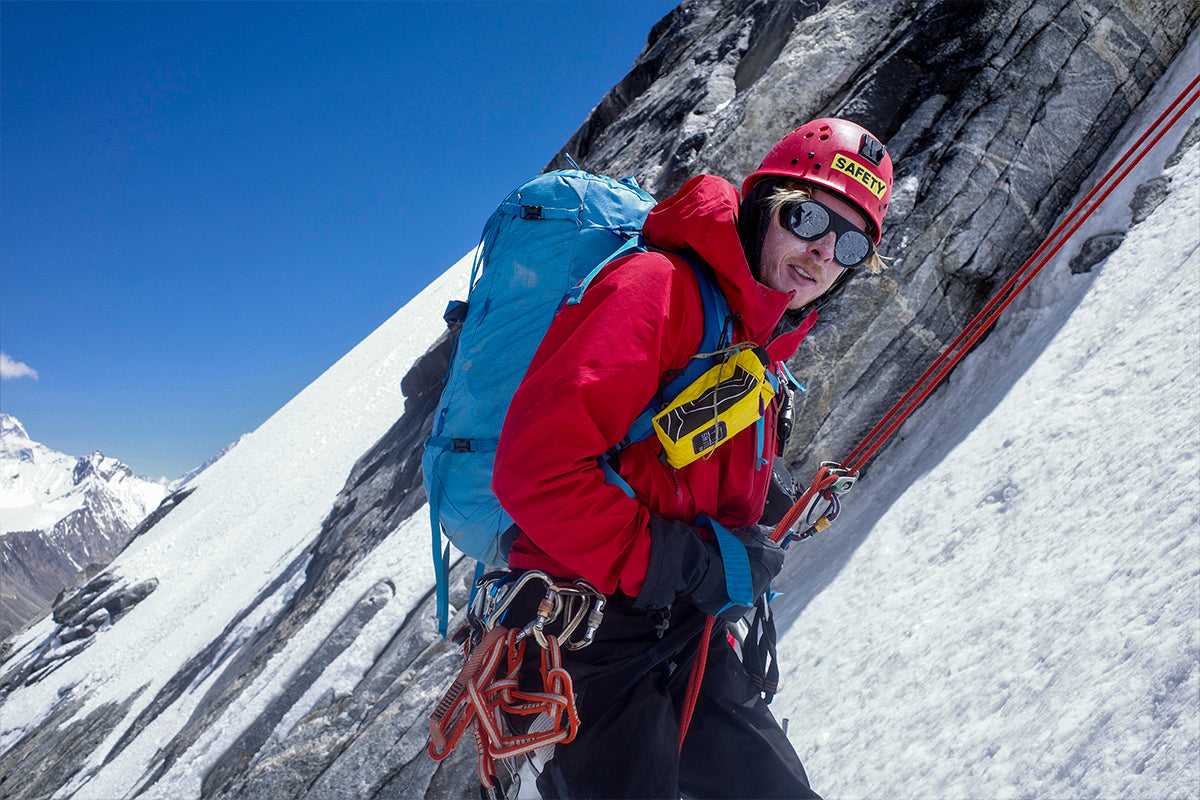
(204, 205)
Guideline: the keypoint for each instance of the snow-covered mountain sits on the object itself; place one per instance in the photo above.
(58, 514)
(1008, 607)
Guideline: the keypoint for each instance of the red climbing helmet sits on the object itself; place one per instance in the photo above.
(837, 155)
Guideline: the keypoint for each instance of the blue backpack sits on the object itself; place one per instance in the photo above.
(540, 249)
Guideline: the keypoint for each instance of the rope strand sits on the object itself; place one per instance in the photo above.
(987, 316)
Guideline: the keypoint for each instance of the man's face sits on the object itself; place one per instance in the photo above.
(791, 264)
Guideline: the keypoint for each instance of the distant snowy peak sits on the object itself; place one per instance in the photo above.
(15, 444)
(40, 486)
(11, 430)
(59, 513)
(97, 466)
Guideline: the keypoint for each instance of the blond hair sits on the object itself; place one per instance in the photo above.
(790, 192)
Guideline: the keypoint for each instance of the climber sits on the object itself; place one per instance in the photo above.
(640, 529)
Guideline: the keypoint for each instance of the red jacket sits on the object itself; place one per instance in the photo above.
(598, 366)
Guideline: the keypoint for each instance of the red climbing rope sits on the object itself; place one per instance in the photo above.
(828, 475)
(833, 479)
(694, 680)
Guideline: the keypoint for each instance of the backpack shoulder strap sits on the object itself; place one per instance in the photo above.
(576, 293)
(716, 317)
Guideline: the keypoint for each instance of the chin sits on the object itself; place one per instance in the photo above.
(801, 299)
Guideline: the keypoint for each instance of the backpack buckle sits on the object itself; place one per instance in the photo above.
(531, 212)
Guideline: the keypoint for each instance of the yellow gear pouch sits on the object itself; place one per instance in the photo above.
(721, 403)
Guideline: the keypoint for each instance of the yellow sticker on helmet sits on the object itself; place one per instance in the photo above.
(849, 166)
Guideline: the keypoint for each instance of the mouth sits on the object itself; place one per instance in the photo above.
(803, 273)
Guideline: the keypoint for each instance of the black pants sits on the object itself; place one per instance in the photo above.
(630, 686)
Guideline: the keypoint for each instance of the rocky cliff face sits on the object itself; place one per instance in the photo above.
(994, 111)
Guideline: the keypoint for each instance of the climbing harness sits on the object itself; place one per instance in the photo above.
(487, 688)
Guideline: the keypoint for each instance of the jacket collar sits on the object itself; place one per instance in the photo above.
(702, 217)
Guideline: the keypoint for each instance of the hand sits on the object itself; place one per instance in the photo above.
(682, 564)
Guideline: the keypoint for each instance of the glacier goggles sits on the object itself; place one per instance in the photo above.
(811, 220)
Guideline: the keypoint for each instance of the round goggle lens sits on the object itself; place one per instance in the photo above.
(809, 221)
(851, 248)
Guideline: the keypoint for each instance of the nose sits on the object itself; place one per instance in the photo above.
(822, 249)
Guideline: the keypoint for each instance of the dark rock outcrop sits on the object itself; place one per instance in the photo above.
(995, 112)
(98, 605)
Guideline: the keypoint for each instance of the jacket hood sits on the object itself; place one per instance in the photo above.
(702, 217)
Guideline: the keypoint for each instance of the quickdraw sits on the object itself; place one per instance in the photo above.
(487, 690)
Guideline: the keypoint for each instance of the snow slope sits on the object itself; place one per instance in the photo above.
(1021, 622)
(230, 539)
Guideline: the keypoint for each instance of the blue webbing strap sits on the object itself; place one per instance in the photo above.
(795, 384)
(760, 427)
(760, 435)
(576, 292)
(462, 445)
(612, 478)
(716, 312)
(441, 556)
(739, 586)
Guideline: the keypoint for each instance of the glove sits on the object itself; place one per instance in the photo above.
(684, 565)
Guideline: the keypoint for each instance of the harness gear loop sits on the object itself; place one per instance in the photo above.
(577, 604)
(487, 690)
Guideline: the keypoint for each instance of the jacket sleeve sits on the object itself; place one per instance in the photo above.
(596, 369)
